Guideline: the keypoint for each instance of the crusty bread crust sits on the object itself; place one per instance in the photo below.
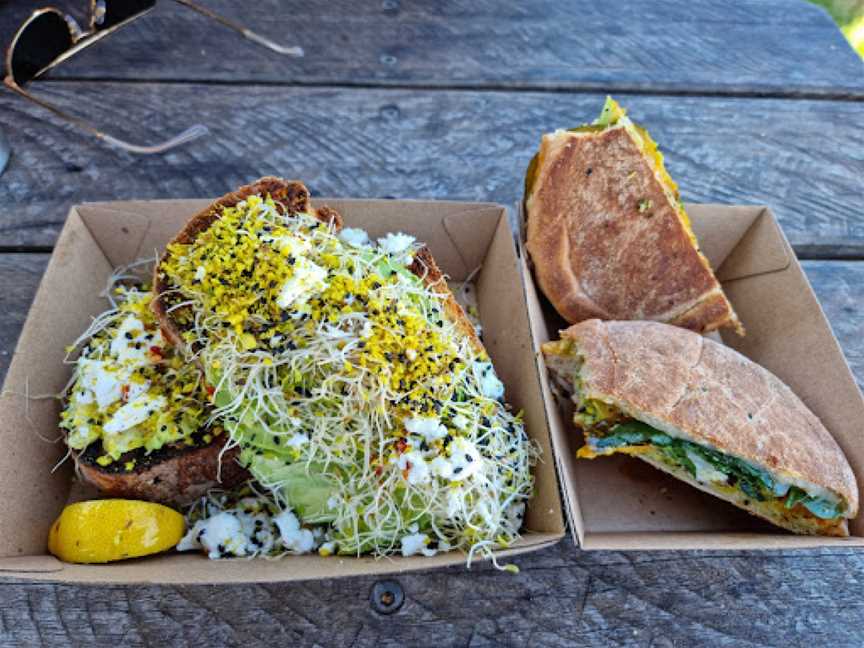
(173, 475)
(606, 242)
(425, 268)
(692, 387)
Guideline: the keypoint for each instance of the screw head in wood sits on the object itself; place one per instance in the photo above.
(386, 597)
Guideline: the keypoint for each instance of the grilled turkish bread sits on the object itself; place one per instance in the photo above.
(608, 236)
(707, 415)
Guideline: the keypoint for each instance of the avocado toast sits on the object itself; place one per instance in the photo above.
(358, 393)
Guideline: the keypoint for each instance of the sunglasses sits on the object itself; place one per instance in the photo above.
(49, 37)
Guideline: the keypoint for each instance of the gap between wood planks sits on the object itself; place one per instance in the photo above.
(586, 87)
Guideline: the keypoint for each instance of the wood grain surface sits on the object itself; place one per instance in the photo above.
(804, 158)
(781, 47)
(562, 597)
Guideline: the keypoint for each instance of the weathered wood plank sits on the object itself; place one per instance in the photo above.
(19, 278)
(562, 596)
(804, 158)
(786, 47)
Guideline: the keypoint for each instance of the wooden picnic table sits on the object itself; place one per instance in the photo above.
(756, 101)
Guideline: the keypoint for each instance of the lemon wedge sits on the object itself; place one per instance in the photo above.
(100, 531)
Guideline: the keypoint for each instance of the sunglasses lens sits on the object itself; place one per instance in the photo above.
(38, 44)
(110, 13)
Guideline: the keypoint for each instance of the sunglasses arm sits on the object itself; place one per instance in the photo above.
(245, 31)
(187, 135)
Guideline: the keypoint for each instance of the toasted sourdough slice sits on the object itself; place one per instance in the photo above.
(174, 474)
(693, 389)
(169, 455)
(608, 236)
(293, 197)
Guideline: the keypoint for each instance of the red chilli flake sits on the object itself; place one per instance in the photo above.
(210, 390)
(401, 445)
(124, 393)
(155, 350)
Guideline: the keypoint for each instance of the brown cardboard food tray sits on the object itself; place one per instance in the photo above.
(622, 503)
(99, 236)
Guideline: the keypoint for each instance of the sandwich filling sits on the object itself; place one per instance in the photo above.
(130, 390)
(356, 401)
(706, 465)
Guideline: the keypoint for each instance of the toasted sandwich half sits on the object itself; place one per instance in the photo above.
(707, 415)
(607, 233)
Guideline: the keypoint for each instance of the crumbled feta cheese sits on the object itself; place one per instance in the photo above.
(366, 331)
(396, 244)
(308, 278)
(415, 464)
(295, 538)
(514, 515)
(459, 421)
(200, 272)
(705, 472)
(134, 412)
(297, 440)
(429, 428)
(416, 543)
(465, 459)
(257, 529)
(135, 389)
(355, 237)
(288, 244)
(218, 535)
(441, 467)
(490, 386)
(106, 385)
(130, 344)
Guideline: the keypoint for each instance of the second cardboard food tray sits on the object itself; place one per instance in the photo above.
(620, 502)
